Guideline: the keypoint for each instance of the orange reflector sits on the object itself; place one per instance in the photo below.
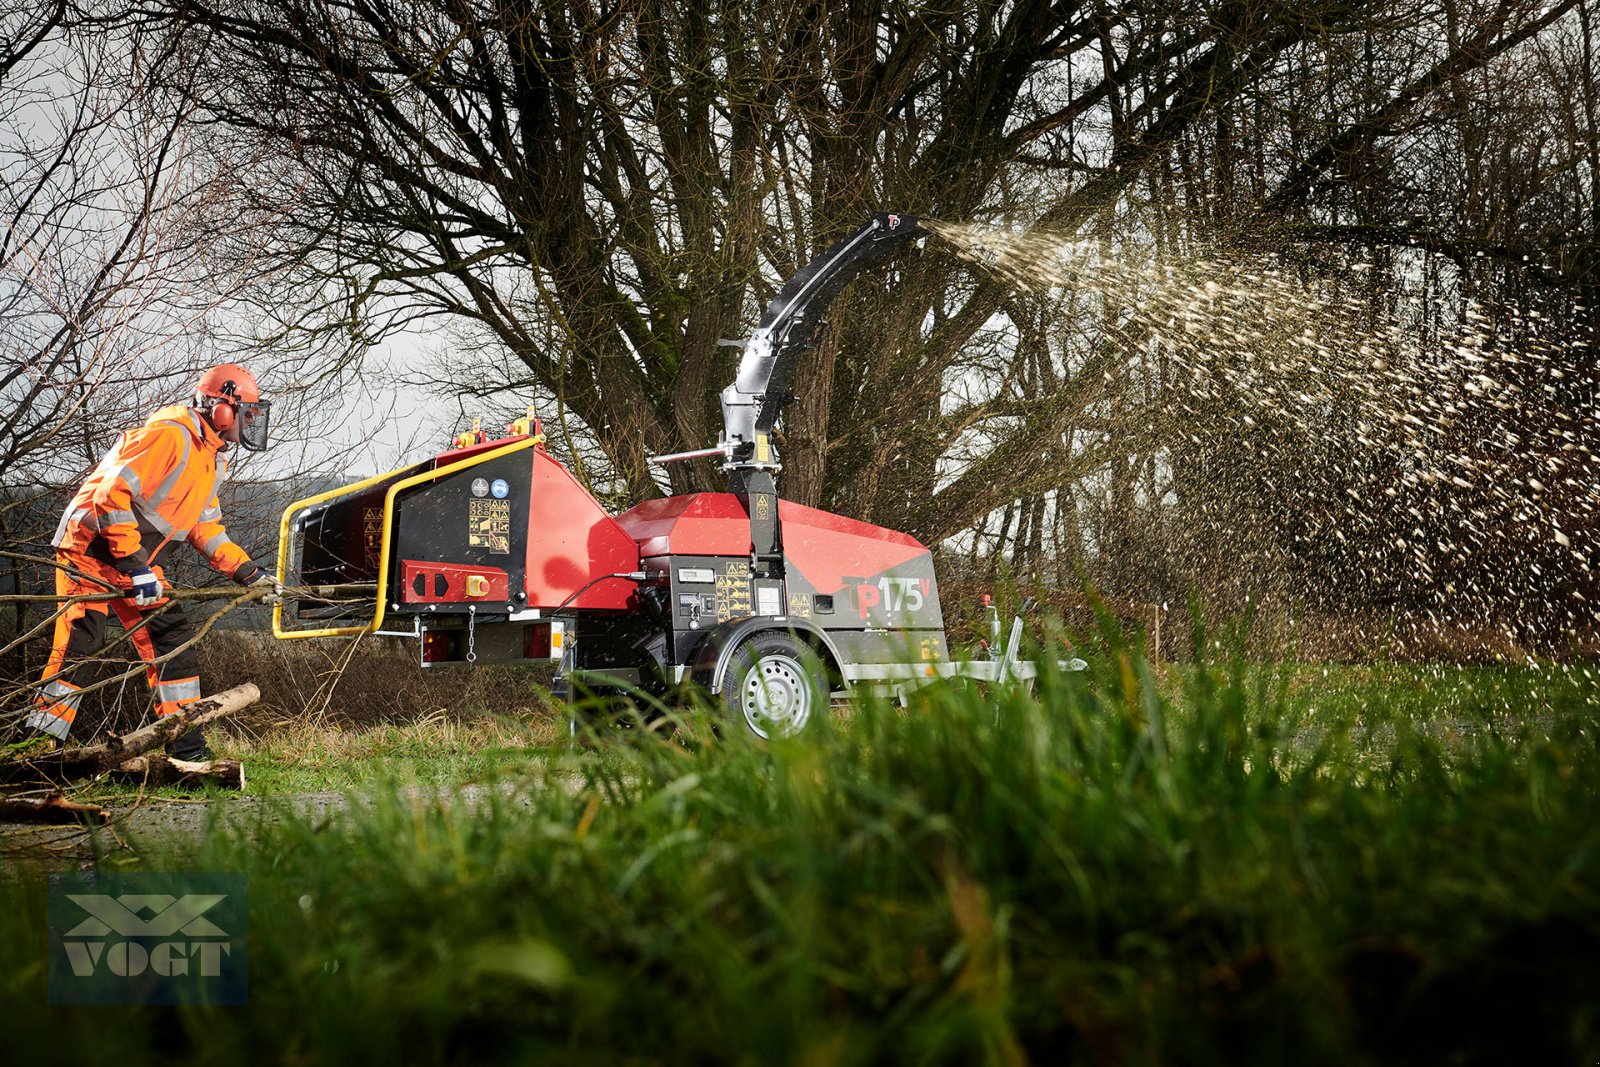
(542, 640)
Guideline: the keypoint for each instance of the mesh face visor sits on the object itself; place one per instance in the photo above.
(253, 419)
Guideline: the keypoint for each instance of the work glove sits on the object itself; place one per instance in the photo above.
(252, 574)
(274, 597)
(146, 587)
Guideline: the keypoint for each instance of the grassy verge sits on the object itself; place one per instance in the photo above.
(435, 750)
(1112, 870)
(284, 754)
(1437, 696)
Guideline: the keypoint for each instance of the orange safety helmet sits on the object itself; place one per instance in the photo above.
(229, 396)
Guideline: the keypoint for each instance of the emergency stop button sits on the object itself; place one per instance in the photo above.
(477, 585)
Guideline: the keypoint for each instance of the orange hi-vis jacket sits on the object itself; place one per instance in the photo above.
(158, 485)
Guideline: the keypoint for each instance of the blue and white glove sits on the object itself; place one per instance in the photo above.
(146, 587)
(274, 597)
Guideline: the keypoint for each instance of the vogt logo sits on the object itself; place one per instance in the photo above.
(129, 958)
(148, 938)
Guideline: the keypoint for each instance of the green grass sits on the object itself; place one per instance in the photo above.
(1117, 869)
(437, 750)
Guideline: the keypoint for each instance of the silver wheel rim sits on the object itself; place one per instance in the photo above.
(777, 697)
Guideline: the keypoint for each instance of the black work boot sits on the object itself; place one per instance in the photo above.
(190, 746)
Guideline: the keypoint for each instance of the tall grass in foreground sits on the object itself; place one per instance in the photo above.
(1107, 871)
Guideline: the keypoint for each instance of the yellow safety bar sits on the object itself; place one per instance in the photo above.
(283, 552)
(383, 552)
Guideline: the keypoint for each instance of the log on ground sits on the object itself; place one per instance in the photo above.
(155, 769)
(90, 761)
(51, 809)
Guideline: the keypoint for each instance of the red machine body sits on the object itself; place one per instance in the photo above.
(577, 546)
(824, 554)
(577, 540)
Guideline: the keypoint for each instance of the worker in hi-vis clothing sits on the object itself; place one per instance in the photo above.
(157, 486)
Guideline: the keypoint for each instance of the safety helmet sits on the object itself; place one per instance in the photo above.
(228, 395)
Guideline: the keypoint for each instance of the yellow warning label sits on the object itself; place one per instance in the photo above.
(371, 534)
(489, 525)
(733, 591)
(800, 605)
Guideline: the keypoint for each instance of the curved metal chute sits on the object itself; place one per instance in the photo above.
(760, 392)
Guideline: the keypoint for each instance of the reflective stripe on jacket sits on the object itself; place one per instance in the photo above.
(158, 484)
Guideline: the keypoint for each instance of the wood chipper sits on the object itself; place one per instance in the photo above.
(492, 552)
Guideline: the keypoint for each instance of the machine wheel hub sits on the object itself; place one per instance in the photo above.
(777, 697)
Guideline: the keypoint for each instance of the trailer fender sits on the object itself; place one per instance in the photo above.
(721, 643)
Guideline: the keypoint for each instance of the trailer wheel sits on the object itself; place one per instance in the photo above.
(776, 684)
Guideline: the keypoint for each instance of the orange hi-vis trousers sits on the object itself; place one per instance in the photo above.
(81, 633)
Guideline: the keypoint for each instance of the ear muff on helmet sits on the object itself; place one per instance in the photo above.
(224, 411)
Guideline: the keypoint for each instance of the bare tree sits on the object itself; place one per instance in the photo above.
(637, 177)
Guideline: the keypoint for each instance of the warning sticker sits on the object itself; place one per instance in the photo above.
(733, 591)
(371, 534)
(489, 525)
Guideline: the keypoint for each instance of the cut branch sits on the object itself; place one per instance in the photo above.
(90, 761)
(53, 809)
(155, 769)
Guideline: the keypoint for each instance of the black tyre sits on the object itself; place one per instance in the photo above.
(775, 685)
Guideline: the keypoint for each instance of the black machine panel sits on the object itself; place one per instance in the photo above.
(896, 618)
(475, 517)
(341, 540)
(339, 545)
